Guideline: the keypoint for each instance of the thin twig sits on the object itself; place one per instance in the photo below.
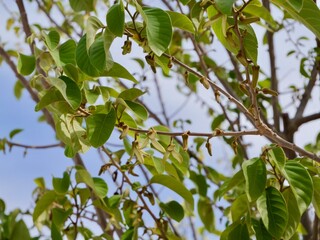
(14, 144)
(163, 109)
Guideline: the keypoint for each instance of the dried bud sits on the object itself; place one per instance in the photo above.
(243, 89)
(269, 91)
(217, 96)
(209, 148)
(126, 48)
(185, 137)
(170, 63)
(248, 20)
(186, 76)
(242, 59)
(150, 60)
(204, 81)
(234, 146)
(124, 132)
(255, 76)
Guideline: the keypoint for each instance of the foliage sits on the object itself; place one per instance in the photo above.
(88, 98)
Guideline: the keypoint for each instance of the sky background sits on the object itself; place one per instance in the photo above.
(17, 171)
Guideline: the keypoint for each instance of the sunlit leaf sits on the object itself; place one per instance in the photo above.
(316, 195)
(225, 6)
(181, 21)
(93, 24)
(115, 18)
(26, 64)
(100, 187)
(67, 52)
(119, 71)
(158, 28)
(300, 182)
(175, 186)
(308, 14)
(278, 157)
(138, 109)
(254, 171)
(52, 39)
(43, 204)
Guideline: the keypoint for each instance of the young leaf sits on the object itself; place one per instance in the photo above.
(69, 90)
(206, 214)
(158, 28)
(100, 127)
(93, 24)
(278, 157)
(175, 186)
(100, 187)
(52, 39)
(26, 64)
(115, 19)
(300, 182)
(225, 6)
(181, 21)
(119, 71)
(239, 207)
(43, 204)
(173, 209)
(15, 132)
(273, 211)
(255, 175)
(61, 185)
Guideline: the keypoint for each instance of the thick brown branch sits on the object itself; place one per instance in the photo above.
(309, 118)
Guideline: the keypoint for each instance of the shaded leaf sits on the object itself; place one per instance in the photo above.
(83, 5)
(100, 187)
(293, 213)
(61, 185)
(93, 24)
(52, 39)
(20, 231)
(316, 195)
(15, 132)
(273, 211)
(225, 6)
(239, 207)
(100, 127)
(67, 52)
(278, 157)
(206, 214)
(173, 209)
(138, 109)
(43, 204)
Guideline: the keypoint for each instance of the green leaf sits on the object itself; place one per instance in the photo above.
(201, 183)
(93, 24)
(83, 5)
(184, 2)
(308, 14)
(119, 71)
(278, 157)
(18, 88)
(26, 64)
(300, 182)
(138, 109)
(15, 132)
(67, 52)
(55, 232)
(206, 214)
(51, 96)
(158, 28)
(293, 213)
(173, 209)
(20, 231)
(61, 185)
(250, 43)
(43, 204)
(60, 216)
(131, 94)
(256, 8)
(239, 207)
(175, 186)
(255, 175)
(100, 186)
(225, 6)
(181, 21)
(115, 19)
(235, 231)
(316, 195)
(97, 54)
(83, 59)
(100, 127)
(52, 39)
(296, 4)
(273, 211)
(260, 230)
(69, 90)
(217, 121)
